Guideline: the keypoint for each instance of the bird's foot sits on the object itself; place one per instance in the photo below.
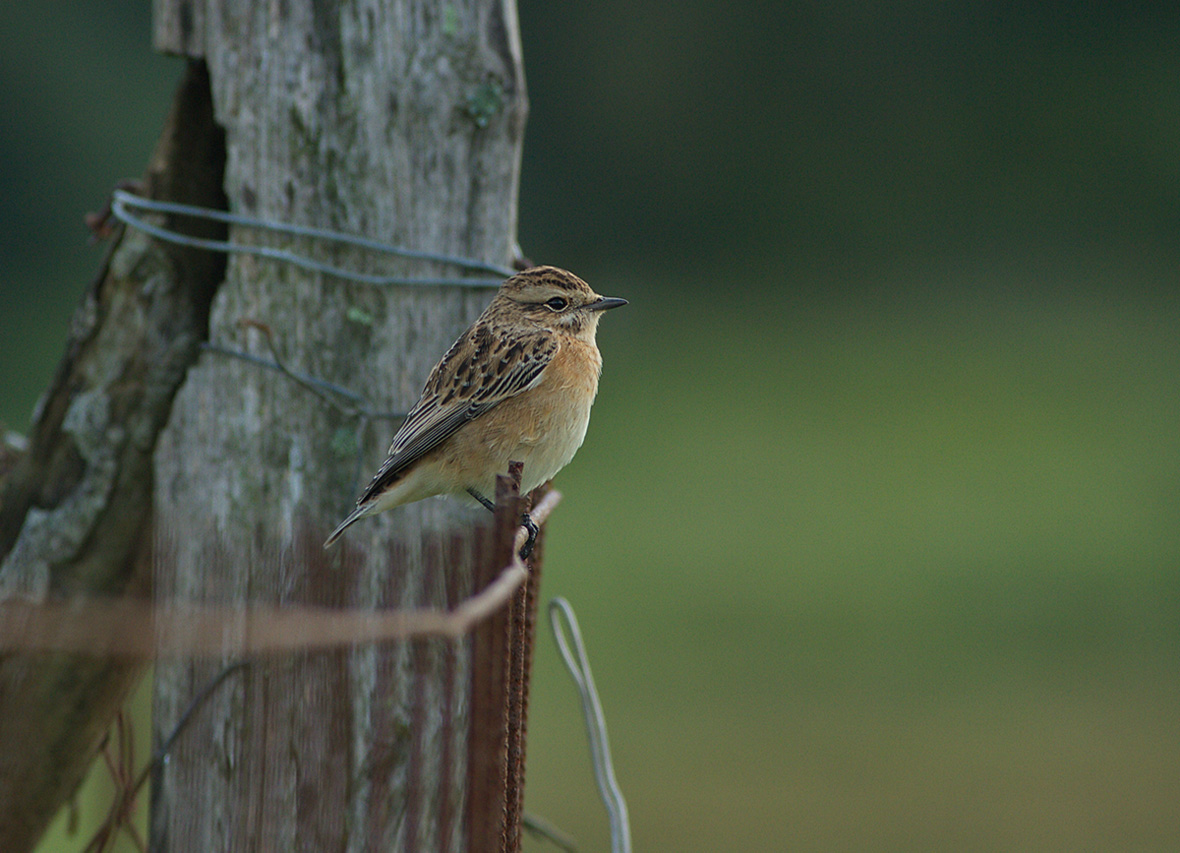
(528, 524)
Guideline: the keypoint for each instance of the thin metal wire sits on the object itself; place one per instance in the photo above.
(360, 408)
(160, 758)
(122, 200)
(304, 378)
(604, 772)
(543, 829)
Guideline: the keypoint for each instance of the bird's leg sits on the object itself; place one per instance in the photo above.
(488, 505)
(526, 522)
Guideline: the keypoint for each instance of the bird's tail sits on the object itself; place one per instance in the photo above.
(359, 512)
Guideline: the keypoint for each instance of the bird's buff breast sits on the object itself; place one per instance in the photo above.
(542, 427)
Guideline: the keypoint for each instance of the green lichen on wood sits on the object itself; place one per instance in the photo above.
(485, 101)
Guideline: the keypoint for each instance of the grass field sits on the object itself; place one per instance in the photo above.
(900, 573)
(895, 575)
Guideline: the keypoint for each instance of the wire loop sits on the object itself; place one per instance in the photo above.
(123, 201)
(604, 772)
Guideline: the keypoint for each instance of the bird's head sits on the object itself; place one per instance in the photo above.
(555, 299)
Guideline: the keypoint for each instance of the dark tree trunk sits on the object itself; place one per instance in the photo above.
(76, 508)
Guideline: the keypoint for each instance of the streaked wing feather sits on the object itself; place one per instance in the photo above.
(431, 421)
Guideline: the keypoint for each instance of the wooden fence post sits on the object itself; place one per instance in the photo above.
(402, 121)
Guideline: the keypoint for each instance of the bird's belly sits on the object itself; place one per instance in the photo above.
(552, 447)
(543, 437)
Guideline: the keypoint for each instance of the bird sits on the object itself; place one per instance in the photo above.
(516, 386)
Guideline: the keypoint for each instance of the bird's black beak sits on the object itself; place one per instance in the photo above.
(604, 303)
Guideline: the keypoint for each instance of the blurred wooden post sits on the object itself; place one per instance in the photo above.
(522, 635)
(487, 763)
(402, 121)
(500, 669)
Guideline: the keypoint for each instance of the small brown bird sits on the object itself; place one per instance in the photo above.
(517, 385)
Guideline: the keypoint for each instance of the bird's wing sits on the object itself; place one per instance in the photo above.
(481, 370)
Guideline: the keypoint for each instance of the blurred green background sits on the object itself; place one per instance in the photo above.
(875, 538)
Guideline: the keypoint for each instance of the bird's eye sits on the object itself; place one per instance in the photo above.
(556, 304)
